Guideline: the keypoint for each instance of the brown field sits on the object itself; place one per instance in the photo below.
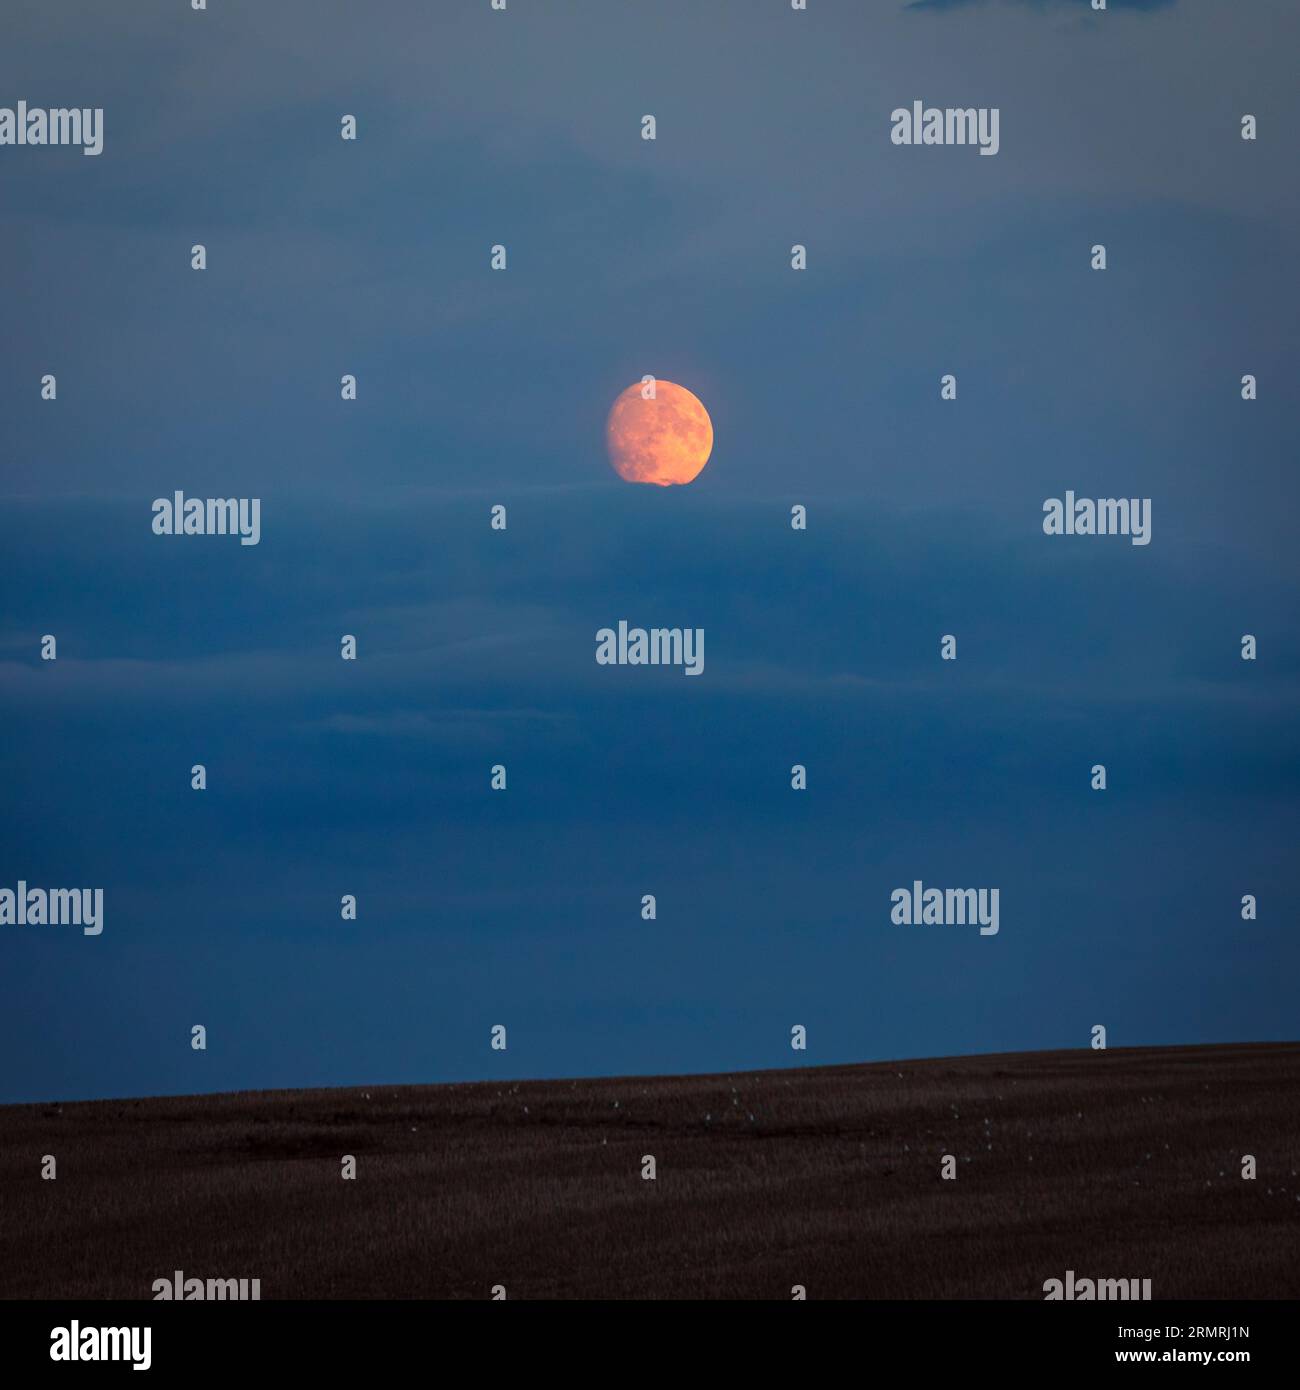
(1125, 1163)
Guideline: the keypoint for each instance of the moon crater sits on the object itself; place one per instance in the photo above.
(666, 440)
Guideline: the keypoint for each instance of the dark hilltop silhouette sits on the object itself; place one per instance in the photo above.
(1118, 1164)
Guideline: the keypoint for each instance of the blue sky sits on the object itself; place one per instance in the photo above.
(477, 388)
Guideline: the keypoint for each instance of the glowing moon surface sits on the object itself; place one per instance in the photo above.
(665, 440)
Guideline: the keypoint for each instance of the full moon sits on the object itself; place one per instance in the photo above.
(665, 440)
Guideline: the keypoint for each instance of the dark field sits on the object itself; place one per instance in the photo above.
(1116, 1164)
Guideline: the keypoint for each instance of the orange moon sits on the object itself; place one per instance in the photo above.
(666, 440)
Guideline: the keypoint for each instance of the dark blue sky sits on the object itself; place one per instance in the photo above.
(672, 258)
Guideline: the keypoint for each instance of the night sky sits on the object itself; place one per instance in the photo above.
(476, 647)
